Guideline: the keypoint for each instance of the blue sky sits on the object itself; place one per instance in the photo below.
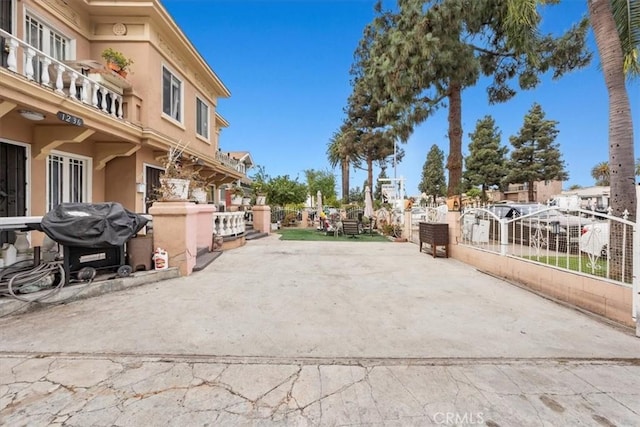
(287, 63)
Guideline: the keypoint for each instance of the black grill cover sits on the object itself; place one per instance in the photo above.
(91, 225)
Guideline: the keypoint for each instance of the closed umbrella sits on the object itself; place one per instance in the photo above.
(368, 206)
(318, 203)
(368, 203)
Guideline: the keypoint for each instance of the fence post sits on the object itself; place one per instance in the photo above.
(635, 259)
(504, 237)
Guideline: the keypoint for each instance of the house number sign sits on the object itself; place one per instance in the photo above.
(68, 118)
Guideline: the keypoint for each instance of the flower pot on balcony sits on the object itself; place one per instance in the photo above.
(246, 201)
(236, 200)
(174, 189)
(261, 199)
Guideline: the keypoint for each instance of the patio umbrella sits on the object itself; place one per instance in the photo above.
(368, 203)
(318, 203)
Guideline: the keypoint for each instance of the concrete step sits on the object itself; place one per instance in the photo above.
(204, 259)
(255, 234)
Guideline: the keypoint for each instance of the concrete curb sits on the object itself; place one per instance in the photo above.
(77, 292)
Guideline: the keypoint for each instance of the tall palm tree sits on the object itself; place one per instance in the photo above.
(616, 26)
(338, 153)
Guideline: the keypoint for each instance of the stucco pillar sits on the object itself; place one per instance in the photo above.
(204, 233)
(453, 219)
(262, 218)
(305, 218)
(406, 232)
(175, 229)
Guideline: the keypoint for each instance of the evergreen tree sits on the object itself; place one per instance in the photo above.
(536, 156)
(433, 182)
(323, 181)
(486, 162)
(428, 52)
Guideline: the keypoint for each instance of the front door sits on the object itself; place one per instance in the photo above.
(13, 183)
(152, 179)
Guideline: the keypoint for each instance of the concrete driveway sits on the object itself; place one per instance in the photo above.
(305, 325)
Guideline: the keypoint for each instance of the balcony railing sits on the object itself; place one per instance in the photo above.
(66, 81)
(227, 160)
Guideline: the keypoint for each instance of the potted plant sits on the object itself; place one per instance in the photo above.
(175, 180)
(116, 61)
(198, 188)
(237, 193)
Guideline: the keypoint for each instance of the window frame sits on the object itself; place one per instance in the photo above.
(207, 117)
(49, 34)
(180, 108)
(87, 176)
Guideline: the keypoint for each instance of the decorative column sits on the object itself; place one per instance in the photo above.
(262, 218)
(204, 237)
(175, 229)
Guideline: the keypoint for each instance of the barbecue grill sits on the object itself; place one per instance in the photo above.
(93, 236)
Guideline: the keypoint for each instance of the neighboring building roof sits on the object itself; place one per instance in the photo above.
(243, 156)
(595, 191)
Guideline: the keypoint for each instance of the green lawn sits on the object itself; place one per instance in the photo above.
(311, 234)
(573, 263)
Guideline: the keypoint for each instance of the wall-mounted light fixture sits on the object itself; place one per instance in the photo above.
(140, 187)
(32, 115)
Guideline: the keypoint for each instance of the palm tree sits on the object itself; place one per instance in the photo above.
(600, 173)
(338, 153)
(616, 25)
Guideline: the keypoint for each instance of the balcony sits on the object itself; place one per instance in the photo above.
(85, 81)
(227, 160)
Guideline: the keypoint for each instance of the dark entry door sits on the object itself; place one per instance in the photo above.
(13, 183)
(152, 179)
(5, 24)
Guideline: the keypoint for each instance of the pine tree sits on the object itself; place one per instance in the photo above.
(536, 156)
(486, 162)
(427, 53)
(433, 182)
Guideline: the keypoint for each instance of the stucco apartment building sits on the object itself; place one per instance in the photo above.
(72, 130)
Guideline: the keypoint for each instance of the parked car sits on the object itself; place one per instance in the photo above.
(595, 239)
(540, 226)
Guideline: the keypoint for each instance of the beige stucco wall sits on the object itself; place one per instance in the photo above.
(604, 298)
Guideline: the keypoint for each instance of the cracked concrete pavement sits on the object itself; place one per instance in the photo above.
(315, 333)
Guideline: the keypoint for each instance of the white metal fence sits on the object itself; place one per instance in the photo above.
(581, 241)
(577, 240)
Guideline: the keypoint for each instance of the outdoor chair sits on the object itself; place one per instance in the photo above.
(350, 227)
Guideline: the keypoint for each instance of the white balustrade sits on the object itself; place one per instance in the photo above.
(228, 223)
(60, 77)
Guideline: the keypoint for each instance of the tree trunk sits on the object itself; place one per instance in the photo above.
(454, 160)
(621, 157)
(530, 196)
(345, 179)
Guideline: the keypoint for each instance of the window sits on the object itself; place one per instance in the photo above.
(171, 95)
(47, 40)
(202, 118)
(67, 180)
